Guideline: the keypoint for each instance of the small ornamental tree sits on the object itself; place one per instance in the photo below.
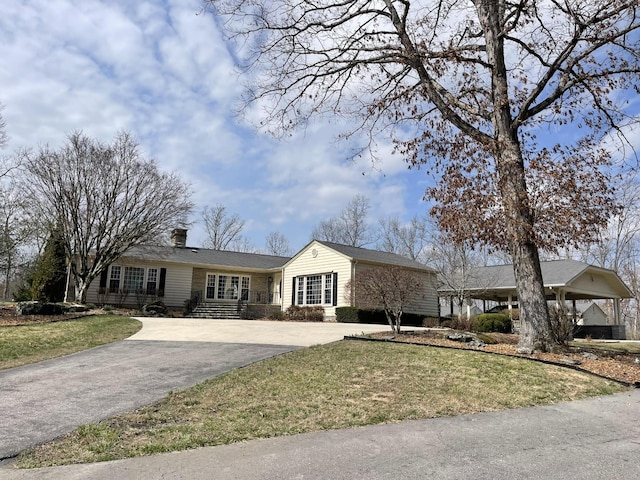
(390, 288)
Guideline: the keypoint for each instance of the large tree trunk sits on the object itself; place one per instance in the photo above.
(534, 316)
(82, 285)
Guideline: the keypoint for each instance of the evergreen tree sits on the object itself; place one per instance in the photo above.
(50, 276)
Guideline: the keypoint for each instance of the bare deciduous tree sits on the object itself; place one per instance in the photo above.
(616, 247)
(4, 138)
(457, 266)
(391, 288)
(348, 228)
(407, 239)
(105, 198)
(223, 229)
(277, 244)
(466, 88)
(16, 230)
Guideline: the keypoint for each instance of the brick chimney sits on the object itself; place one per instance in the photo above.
(179, 237)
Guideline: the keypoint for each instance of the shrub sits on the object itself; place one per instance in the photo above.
(347, 315)
(155, 308)
(38, 308)
(461, 322)
(374, 316)
(276, 315)
(431, 322)
(561, 327)
(297, 313)
(491, 322)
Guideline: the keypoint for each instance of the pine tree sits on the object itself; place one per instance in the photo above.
(50, 277)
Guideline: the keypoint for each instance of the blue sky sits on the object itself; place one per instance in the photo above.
(161, 70)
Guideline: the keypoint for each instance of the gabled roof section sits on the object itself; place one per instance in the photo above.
(554, 273)
(498, 281)
(375, 256)
(209, 257)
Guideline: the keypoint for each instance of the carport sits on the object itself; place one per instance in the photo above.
(564, 280)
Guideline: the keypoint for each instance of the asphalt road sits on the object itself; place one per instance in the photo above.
(592, 439)
(43, 401)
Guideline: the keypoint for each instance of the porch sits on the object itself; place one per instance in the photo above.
(253, 304)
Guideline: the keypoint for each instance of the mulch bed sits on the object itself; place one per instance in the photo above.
(619, 366)
(8, 317)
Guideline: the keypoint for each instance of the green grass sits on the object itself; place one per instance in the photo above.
(33, 343)
(341, 385)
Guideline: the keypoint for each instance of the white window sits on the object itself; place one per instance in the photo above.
(328, 288)
(315, 289)
(152, 281)
(222, 286)
(300, 298)
(245, 289)
(211, 286)
(228, 287)
(114, 279)
(133, 279)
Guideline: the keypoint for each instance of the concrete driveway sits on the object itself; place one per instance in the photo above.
(43, 401)
(301, 334)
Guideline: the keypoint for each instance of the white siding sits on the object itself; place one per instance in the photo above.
(324, 261)
(177, 284)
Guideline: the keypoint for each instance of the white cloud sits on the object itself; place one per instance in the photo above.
(161, 70)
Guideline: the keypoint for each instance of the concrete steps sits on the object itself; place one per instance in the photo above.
(216, 311)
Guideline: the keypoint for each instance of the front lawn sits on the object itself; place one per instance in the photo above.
(341, 385)
(20, 345)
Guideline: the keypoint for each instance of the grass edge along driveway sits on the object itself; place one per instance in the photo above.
(340, 385)
(25, 344)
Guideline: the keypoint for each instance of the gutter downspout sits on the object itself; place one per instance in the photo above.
(353, 282)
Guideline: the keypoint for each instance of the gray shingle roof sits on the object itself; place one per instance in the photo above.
(556, 272)
(375, 256)
(205, 256)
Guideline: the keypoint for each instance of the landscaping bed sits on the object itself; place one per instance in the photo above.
(8, 317)
(616, 365)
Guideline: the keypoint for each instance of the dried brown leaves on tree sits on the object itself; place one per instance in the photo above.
(469, 90)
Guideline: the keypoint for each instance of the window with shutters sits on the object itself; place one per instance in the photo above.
(133, 279)
(152, 281)
(114, 278)
(315, 289)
